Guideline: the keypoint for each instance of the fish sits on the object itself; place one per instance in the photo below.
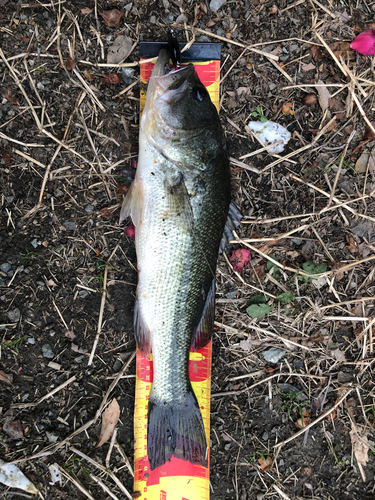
(178, 203)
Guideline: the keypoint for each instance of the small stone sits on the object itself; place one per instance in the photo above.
(153, 20)
(9, 199)
(34, 243)
(14, 315)
(128, 6)
(281, 462)
(31, 340)
(216, 4)
(70, 226)
(58, 193)
(273, 355)
(52, 438)
(265, 436)
(231, 295)
(40, 86)
(89, 209)
(83, 294)
(47, 351)
(220, 32)
(6, 267)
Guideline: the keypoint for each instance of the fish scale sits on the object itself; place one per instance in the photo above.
(179, 203)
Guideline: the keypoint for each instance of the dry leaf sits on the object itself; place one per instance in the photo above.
(338, 355)
(265, 464)
(316, 52)
(112, 17)
(5, 377)
(371, 167)
(361, 164)
(8, 96)
(352, 245)
(70, 334)
(324, 95)
(360, 445)
(342, 49)
(369, 134)
(310, 99)
(80, 350)
(86, 10)
(111, 79)
(69, 63)
(287, 108)
(119, 50)
(5, 156)
(110, 418)
(246, 344)
(308, 67)
(10, 475)
(88, 75)
(13, 429)
(303, 422)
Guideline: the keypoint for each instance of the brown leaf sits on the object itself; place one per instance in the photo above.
(310, 99)
(86, 10)
(324, 95)
(316, 52)
(88, 75)
(13, 429)
(70, 334)
(360, 445)
(303, 422)
(111, 79)
(369, 134)
(342, 49)
(210, 23)
(5, 156)
(287, 108)
(265, 464)
(112, 17)
(8, 96)
(4, 377)
(203, 7)
(371, 167)
(308, 67)
(110, 418)
(352, 245)
(69, 63)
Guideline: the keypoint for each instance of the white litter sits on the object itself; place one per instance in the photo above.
(55, 474)
(10, 475)
(269, 133)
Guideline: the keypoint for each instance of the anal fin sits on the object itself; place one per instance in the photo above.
(203, 332)
(233, 221)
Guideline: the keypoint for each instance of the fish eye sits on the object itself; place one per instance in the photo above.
(199, 92)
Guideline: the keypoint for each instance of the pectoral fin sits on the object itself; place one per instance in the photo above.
(203, 332)
(142, 332)
(179, 206)
(133, 203)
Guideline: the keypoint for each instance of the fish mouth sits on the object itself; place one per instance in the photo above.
(174, 78)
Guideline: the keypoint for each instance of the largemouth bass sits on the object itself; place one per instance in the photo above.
(179, 203)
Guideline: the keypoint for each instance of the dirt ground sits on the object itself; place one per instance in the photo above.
(68, 142)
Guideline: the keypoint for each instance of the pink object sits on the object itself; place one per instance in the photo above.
(130, 231)
(240, 259)
(364, 43)
(135, 164)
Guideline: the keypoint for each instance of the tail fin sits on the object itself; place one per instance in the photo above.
(176, 428)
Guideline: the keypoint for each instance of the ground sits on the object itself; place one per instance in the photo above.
(68, 142)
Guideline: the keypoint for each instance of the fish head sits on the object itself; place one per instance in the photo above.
(179, 114)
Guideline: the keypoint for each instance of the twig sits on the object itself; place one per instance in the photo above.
(231, 393)
(46, 396)
(103, 469)
(321, 417)
(105, 488)
(340, 166)
(74, 481)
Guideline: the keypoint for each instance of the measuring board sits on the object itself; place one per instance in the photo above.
(177, 479)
